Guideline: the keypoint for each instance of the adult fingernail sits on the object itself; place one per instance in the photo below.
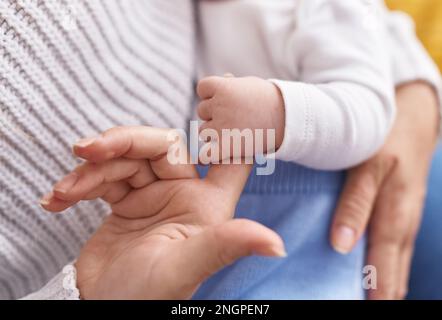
(85, 142)
(66, 183)
(279, 251)
(46, 199)
(344, 239)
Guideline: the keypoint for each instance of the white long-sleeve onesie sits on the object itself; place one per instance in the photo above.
(331, 62)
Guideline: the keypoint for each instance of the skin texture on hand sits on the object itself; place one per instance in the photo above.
(242, 103)
(169, 230)
(387, 193)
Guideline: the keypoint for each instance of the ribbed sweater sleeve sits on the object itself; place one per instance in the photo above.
(71, 69)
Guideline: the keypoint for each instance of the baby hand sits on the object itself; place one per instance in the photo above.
(242, 103)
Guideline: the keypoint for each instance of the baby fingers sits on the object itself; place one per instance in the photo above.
(205, 110)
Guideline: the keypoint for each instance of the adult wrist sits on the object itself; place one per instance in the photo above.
(422, 94)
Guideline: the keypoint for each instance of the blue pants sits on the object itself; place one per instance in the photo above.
(426, 274)
(298, 203)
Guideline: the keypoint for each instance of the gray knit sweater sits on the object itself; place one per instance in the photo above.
(70, 69)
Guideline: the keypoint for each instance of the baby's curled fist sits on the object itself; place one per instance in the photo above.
(242, 103)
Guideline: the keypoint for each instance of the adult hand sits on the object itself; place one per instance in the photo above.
(388, 192)
(169, 230)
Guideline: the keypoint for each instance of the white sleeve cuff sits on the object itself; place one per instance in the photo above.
(297, 130)
(62, 287)
(332, 127)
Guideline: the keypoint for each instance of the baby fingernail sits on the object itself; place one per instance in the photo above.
(344, 239)
(85, 142)
(46, 199)
(66, 183)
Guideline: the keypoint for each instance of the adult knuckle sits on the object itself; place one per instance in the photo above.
(114, 130)
(364, 187)
(123, 131)
(389, 158)
(357, 203)
(223, 254)
(400, 217)
(398, 220)
(388, 241)
(402, 185)
(365, 179)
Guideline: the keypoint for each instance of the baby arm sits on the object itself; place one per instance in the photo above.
(340, 112)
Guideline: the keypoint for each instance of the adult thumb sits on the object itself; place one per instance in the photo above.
(216, 247)
(230, 177)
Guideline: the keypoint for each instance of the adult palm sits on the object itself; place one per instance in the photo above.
(169, 230)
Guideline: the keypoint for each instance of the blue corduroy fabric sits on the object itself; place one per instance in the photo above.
(298, 203)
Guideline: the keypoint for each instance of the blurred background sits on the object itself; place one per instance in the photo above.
(428, 17)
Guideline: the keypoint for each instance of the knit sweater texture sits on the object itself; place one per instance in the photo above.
(71, 69)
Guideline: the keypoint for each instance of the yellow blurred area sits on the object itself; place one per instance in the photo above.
(428, 17)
